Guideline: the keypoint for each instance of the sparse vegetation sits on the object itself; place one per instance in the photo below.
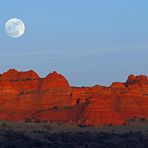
(82, 126)
(26, 92)
(132, 119)
(73, 140)
(28, 135)
(55, 107)
(145, 94)
(37, 121)
(124, 92)
(110, 125)
(28, 120)
(3, 125)
(142, 119)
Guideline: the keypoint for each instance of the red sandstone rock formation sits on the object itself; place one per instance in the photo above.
(24, 95)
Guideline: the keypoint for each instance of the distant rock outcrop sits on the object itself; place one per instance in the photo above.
(24, 95)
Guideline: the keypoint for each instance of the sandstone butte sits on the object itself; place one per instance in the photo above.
(25, 96)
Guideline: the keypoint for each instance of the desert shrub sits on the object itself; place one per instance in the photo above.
(22, 93)
(26, 92)
(125, 124)
(132, 119)
(44, 121)
(37, 121)
(48, 127)
(4, 125)
(82, 126)
(28, 120)
(142, 119)
(55, 107)
(124, 92)
(110, 124)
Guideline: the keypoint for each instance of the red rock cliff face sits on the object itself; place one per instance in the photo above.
(24, 95)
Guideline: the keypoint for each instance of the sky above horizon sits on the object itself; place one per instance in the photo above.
(88, 41)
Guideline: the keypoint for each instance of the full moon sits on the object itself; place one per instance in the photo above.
(15, 27)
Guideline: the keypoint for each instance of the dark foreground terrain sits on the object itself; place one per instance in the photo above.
(74, 140)
(46, 135)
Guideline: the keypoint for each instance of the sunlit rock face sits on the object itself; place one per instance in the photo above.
(24, 95)
(14, 75)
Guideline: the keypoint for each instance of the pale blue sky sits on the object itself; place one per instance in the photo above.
(88, 41)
